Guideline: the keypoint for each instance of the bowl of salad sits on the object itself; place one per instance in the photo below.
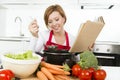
(22, 64)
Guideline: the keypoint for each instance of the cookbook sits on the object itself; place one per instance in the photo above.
(87, 35)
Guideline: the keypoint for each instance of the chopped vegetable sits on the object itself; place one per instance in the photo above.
(26, 55)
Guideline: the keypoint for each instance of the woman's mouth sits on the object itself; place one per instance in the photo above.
(55, 27)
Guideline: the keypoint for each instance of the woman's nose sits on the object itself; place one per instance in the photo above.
(54, 23)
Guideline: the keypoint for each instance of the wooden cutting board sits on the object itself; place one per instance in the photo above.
(87, 35)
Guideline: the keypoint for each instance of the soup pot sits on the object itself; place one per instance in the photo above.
(60, 57)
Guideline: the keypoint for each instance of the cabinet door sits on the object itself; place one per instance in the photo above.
(14, 46)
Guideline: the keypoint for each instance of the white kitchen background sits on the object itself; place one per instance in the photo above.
(75, 17)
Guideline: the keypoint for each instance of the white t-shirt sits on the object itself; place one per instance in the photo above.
(37, 44)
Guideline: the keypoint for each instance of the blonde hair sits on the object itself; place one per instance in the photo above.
(51, 9)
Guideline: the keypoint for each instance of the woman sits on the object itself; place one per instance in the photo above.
(55, 19)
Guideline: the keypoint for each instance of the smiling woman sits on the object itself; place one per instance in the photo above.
(55, 19)
(55, 36)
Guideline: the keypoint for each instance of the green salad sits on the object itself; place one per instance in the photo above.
(22, 56)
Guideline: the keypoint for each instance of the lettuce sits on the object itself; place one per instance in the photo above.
(22, 56)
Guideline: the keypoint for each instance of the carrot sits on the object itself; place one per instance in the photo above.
(63, 77)
(48, 65)
(55, 65)
(47, 73)
(57, 78)
(41, 76)
(55, 71)
(59, 72)
(59, 66)
(66, 72)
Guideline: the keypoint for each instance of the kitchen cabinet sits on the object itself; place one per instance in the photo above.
(2, 21)
(14, 44)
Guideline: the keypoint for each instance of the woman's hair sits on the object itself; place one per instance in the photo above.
(51, 9)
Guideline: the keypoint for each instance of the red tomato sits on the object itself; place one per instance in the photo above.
(6, 75)
(9, 72)
(85, 75)
(76, 69)
(91, 70)
(99, 74)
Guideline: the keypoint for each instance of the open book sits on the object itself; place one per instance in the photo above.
(87, 35)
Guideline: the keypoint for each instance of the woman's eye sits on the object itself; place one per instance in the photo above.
(49, 22)
(57, 19)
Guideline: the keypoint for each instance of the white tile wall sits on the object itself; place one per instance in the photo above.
(75, 16)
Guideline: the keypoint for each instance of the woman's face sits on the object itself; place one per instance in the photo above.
(56, 22)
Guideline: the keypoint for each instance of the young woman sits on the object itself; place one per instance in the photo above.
(55, 19)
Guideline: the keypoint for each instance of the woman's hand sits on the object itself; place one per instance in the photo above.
(34, 28)
(90, 48)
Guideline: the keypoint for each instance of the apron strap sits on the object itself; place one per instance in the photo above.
(50, 37)
(66, 36)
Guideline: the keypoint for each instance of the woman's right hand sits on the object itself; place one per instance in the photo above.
(34, 28)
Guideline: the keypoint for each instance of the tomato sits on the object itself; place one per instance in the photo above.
(6, 75)
(99, 74)
(76, 69)
(9, 72)
(85, 75)
(91, 70)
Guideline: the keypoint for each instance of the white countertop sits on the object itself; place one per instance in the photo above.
(113, 73)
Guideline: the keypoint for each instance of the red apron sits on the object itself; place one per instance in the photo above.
(59, 47)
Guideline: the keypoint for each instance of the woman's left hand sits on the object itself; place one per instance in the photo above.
(90, 48)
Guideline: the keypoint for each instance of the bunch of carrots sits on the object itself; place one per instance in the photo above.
(52, 72)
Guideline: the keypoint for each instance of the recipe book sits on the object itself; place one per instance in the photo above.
(87, 35)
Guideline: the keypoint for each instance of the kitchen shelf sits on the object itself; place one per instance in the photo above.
(27, 39)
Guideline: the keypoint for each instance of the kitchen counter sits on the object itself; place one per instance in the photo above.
(112, 74)
(14, 38)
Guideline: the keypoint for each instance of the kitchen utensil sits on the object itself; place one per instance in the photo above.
(59, 58)
(21, 68)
